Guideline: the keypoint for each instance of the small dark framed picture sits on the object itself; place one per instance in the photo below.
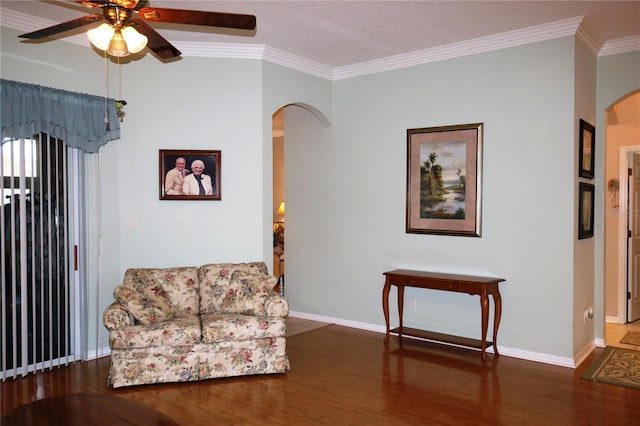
(587, 149)
(189, 174)
(586, 210)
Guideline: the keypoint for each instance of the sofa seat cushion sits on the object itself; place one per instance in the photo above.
(179, 331)
(219, 327)
(178, 286)
(241, 357)
(153, 365)
(216, 280)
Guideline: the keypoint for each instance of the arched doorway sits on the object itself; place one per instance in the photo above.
(304, 120)
(278, 204)
(622, 139)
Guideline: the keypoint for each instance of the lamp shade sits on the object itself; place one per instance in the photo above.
(280, 210)
(101, 36)
(117, 42)
(135, 41)
(117, 46)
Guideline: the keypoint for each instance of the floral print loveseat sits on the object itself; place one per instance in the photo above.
(195, 323)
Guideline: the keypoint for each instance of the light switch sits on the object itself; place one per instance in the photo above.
(130, 223)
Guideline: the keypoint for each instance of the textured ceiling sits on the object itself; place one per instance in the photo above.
(342, 33)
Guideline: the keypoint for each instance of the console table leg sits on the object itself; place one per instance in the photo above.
(484, 305)
(385, 307)
(497, 304)
(400, 308)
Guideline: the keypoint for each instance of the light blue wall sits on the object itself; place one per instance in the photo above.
(584, 108)
(345, 178)
(346, 195)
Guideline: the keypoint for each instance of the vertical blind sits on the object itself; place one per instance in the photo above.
(36, 320)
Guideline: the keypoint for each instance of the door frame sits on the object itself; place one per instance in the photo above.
(623, 240)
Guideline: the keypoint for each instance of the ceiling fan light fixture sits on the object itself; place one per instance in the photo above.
(135, 41)
(117, 39)
(118, 46)
(101, 36)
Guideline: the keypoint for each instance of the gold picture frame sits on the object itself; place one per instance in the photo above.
(444, 180)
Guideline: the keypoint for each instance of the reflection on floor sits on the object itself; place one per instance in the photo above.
(300, 325)
(615, 332)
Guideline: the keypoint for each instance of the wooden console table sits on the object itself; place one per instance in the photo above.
(482, 286)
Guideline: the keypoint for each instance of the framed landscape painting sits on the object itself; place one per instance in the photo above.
(189, 174)
(444, 180)
(586, 208)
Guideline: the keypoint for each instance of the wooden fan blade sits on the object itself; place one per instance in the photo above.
(158, 44)
(196, 17)
(65, 26)
(128, 4)
(92, 3)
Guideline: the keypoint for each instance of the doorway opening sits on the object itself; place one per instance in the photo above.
(622, 134)
(278, 205)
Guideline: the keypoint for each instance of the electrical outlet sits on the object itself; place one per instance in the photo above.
(412, 304)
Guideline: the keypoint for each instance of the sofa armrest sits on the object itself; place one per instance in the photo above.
(116, 317)
(276, 305)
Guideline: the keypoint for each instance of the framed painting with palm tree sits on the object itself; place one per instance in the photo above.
(444, 180)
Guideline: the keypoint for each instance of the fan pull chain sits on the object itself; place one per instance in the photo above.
(119, 79)
(106, 91)
(120, 103)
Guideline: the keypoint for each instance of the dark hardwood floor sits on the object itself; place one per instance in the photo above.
(344, 376)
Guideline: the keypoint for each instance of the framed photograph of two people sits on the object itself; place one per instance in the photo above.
(189, 174)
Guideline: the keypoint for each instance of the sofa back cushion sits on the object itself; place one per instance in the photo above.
(177, 287)
(230, 287)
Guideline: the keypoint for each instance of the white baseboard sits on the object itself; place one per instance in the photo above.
(100, 353)
(615, 320)
(339, 321)
(512, 352)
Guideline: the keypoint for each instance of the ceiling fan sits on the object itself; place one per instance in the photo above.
(125, 31)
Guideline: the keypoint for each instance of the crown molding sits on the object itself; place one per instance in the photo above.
(518, 37)
(572, 26)
(221, 50)
(589, 39)
(620, 45)
(298, 63)
(21, 21)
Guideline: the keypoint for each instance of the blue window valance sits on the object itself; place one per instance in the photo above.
(83, 121)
